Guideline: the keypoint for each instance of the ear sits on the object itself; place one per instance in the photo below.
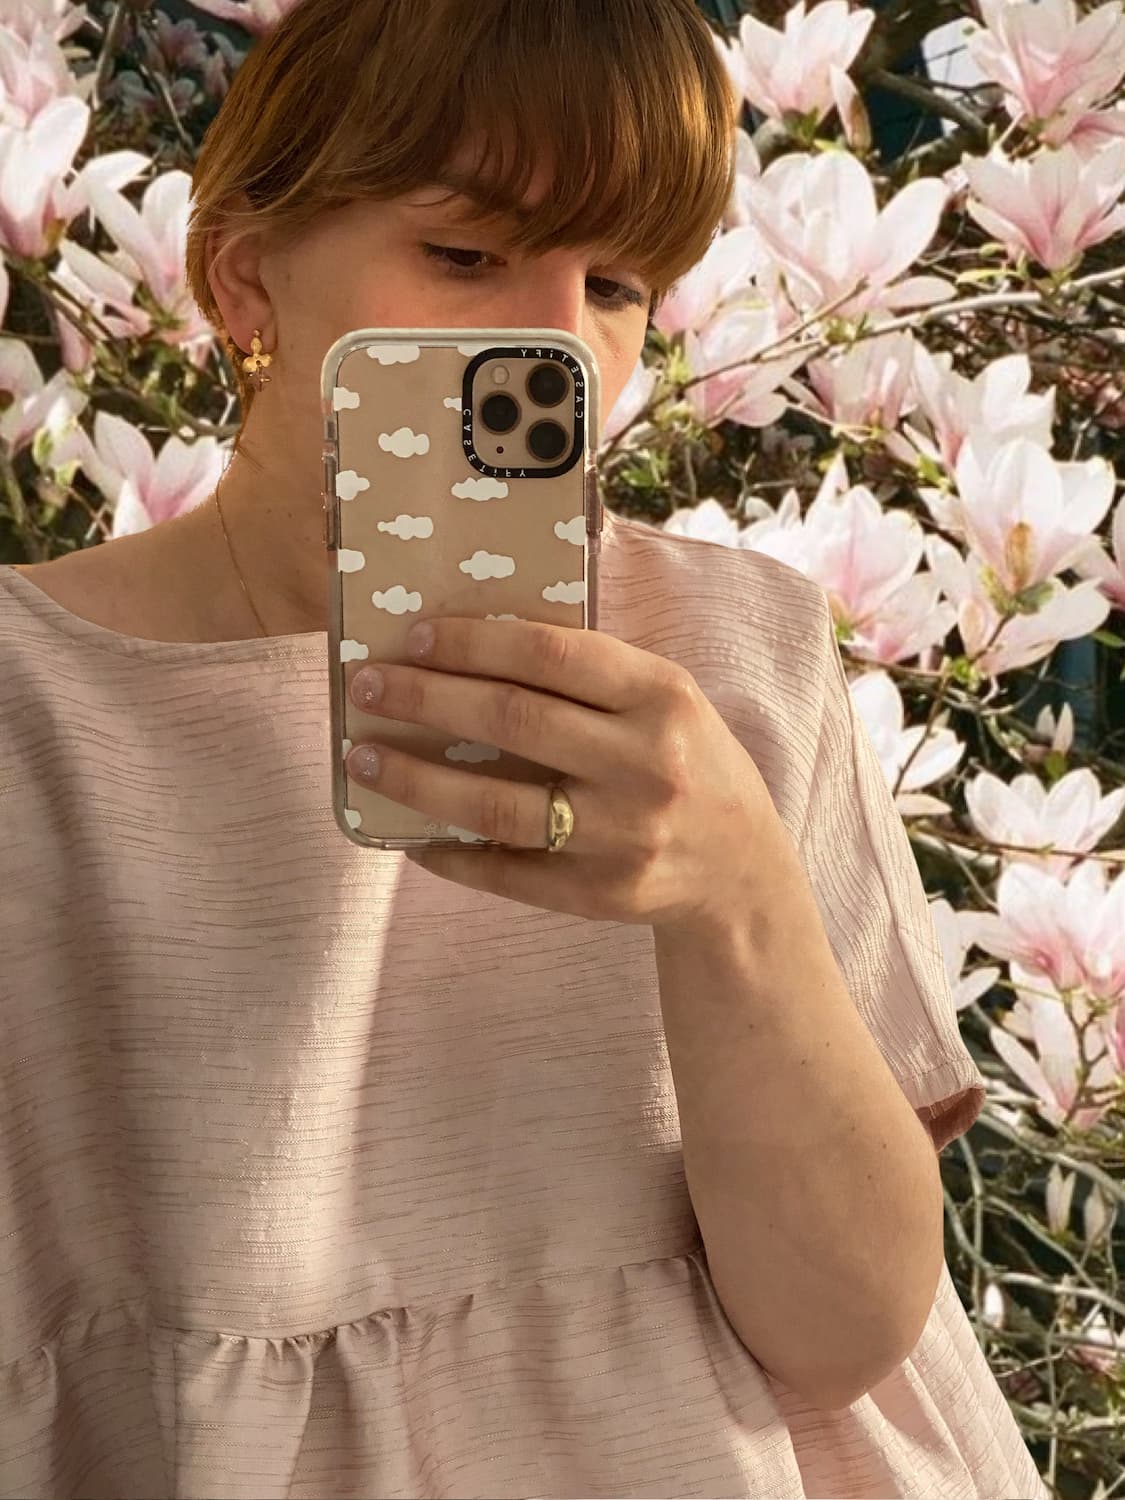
(234, 274)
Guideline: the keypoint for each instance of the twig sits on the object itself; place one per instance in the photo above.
(928, 98)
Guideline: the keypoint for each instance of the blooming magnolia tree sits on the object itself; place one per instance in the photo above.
(902, 378)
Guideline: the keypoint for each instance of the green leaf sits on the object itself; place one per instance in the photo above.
(1054, 764)
(1107, 638)
(982, 274)
(930, 471)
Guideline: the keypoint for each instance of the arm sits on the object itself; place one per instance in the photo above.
(814, 1044)
(816, 1186)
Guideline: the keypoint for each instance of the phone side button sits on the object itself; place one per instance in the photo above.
(327, 526)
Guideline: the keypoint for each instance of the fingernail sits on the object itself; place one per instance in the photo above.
(367, 687)
(420, 638)
(363, 763)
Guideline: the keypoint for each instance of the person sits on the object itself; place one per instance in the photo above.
(605, 1170)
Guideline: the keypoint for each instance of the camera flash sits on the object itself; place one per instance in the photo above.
(500, 374)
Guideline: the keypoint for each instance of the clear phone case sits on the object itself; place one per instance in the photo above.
(429, 511)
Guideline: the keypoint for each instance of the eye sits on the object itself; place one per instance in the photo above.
(616, 296)
(454, 267)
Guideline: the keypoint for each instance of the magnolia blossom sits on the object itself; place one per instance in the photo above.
(1052, 206)
(868, 385)
(258, 16)
(1073, 815)
(729, 262)
(35, 205)
(1058, 735)
(179, 44)
(1109, 572)
(748, 392)
(996, 644)
(634, 397)
(147, 489)
(100, 287)
(709, 521)
(1097, 129)
(33, 71)
(1051, 64)
(954, 939)
(1051, 1066)
(60, 18)
(36, 411)
(954, 934)
(1071, 932)
(747, 170)
(819, 217)
(995, 405)
(152, 244)
(794, 72)
(865, 559)
(928, 754)
(1027, 515)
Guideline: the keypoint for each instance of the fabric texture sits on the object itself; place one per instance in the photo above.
(323, 1177)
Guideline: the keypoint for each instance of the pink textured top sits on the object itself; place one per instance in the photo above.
(324, 1177)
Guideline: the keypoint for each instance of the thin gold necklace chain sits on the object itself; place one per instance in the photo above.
(222, 522)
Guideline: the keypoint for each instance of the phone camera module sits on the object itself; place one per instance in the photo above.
(499, 412)
(547, 385)
(546, 440)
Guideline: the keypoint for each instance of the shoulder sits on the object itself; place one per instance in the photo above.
(730, 604)
(756, 634)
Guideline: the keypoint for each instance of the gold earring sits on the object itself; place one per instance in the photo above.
(255, 362)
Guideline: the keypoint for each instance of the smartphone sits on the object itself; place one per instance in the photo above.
(459, 479)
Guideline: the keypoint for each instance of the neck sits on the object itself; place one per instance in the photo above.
(272, 503)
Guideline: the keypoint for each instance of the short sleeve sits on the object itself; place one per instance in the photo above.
(857, 855)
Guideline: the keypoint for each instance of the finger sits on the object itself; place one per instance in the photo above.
(569, 737)
(493, 807)
(586, 666)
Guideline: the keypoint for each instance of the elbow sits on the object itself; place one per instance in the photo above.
(831, 1384)
(831, 1392)
(835, 1389)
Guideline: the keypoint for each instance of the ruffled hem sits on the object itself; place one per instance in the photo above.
(627, 1382)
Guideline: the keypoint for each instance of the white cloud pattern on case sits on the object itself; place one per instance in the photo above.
(353, 651)
(404, 443)
(573, 530)
(343, 399)
(482, 488)
(397, 601)
(348, 560)
(408, 526)
(349, 484)
(484, 564)
(473, 751)
(394, 354)
(565, 593)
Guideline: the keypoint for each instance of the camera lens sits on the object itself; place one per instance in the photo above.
(547, 385)
(546, 440)
(499, 412)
